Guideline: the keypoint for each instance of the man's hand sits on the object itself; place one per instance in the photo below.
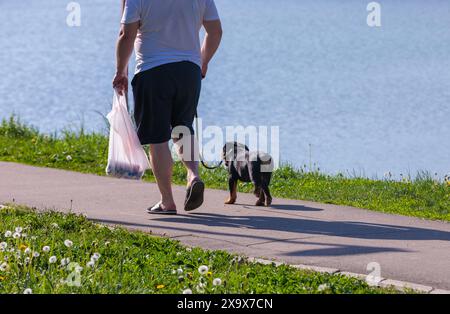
(120, 83)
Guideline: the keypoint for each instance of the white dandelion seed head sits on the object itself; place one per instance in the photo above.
(179, 271)
(18, 254)
(323, 287)
(187, 291)
(78, 269)
(96, 256)
(52, 259)
(217, 282)
(16, 235)
(3, 246)
(36, 254)
(90, 264)
(24, 235)
(27, 250)
(68, 158)
(188, 249)
(68, 243)
(27, 260)
(200, 288)
(178, 253)
(65, 261)
(46, 249)
(8, 234)
(19, 229)
(3, 266)
(203, 270)
(54, 225)
(28, 291)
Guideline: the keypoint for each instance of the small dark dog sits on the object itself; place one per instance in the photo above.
(247, 166)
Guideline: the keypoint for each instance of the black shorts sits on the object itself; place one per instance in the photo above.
(165, 97)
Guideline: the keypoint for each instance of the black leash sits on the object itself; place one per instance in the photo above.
(201, 154)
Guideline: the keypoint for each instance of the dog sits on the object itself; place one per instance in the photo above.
(247, 166)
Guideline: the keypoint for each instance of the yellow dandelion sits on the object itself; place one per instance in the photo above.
(23, 247)
(189, 275)
(209, 274)
(160, 286)
(2, 278)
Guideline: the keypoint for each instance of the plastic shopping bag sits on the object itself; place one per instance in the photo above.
(126, 157)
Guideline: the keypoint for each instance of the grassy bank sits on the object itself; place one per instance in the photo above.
(56, 253)
(421, 197)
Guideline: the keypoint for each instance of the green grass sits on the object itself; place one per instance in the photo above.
(135, 262)
(421, 197)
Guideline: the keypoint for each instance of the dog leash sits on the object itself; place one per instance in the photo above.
(201, 154)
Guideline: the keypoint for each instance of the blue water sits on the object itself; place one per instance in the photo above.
(365, 99)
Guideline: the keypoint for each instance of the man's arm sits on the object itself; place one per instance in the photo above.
(211, 43)
(124, 49)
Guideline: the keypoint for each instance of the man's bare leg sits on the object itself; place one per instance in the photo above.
(161, 161)
(190, 163)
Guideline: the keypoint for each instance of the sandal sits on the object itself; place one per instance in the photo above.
(194, 195)
(157, 210)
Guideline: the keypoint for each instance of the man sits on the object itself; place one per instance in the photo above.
(170, 65)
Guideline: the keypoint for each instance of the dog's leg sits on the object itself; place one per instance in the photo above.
(261, 200)
(232, 184)
(266, 191)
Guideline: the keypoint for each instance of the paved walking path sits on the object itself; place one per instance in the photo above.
(295, 232)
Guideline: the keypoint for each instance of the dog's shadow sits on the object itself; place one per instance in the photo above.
(289, 207)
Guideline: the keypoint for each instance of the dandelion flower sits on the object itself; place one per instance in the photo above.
(68, 158)
(200, 288)
(323, 287)
(27, 250)
(65, 261)
(16, 235)
(22, 247)
(95, 256)
(19, 229)
(3, 266)
(27, 260)
(54, 225)
(36, 254)
(8, 234)
(90, 264)
(68, 243)
(27, 291)
(179, 271)
(217, 282)
(188, 249)
(78, 269)
(3, 246)
(187, 291)
(203, 270)
(160, 286)
(178, 253)
(52, 259)
(46, 249)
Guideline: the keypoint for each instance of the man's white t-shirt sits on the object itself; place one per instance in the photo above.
(169, 30)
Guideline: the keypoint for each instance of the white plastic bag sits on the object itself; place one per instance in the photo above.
(126, 157)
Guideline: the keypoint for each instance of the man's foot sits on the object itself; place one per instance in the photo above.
(194, 195)
(159, 210)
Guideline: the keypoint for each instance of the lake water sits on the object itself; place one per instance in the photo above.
(365, 99)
